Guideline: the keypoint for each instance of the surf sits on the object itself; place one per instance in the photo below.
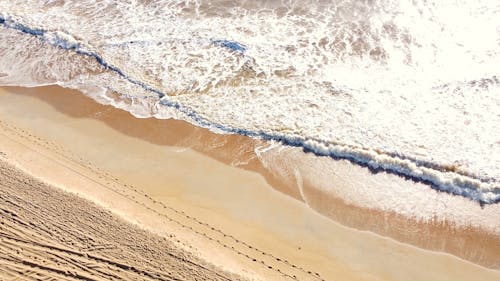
(244, 85)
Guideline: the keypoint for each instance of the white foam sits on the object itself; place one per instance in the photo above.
(391, 85)
(357, 187)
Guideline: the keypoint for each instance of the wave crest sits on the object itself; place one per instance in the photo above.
(236, 91)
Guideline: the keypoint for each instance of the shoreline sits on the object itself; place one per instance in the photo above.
(239, 151)
(50, 163)
(434, 175)
(234, 150)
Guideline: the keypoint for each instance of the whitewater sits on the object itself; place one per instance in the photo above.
(411, 88)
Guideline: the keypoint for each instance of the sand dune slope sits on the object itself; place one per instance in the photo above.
(52, 235)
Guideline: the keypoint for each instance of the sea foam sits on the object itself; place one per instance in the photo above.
(384, 88)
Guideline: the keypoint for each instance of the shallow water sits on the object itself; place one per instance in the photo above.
(407, 87)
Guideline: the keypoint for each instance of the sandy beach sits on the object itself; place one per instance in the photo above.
(190, 205)
(49, 234)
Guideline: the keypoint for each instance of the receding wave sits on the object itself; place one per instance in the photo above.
(302, 92)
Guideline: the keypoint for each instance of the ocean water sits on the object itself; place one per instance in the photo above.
(411, 88)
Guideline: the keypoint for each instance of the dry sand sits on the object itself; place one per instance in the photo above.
(49, 234)
(150, 172)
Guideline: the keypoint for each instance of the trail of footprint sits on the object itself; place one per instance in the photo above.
(61, 152)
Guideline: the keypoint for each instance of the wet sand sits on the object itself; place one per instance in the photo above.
(225, 215)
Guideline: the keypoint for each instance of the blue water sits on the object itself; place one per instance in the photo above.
(232, 45)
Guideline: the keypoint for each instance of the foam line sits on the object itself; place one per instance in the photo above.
(434, 175)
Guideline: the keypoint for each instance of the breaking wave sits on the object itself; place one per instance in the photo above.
(343, 80)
